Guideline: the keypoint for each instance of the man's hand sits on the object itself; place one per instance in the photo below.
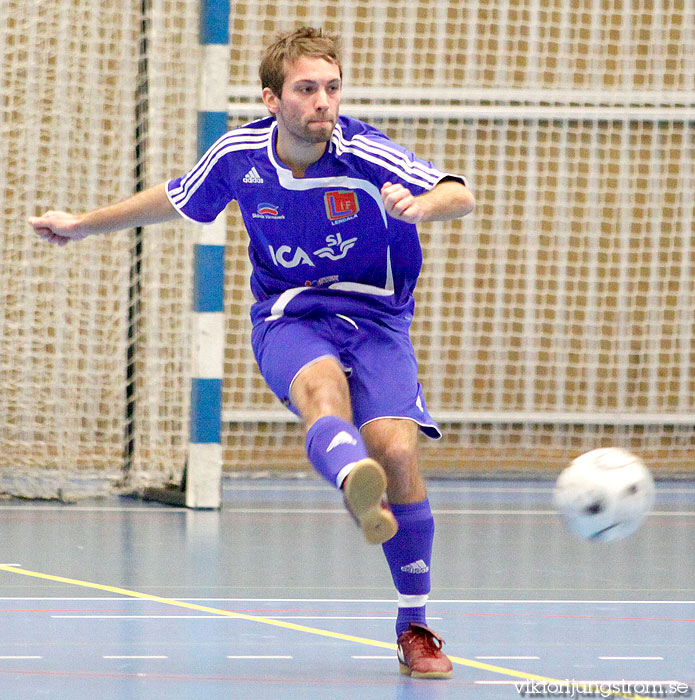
(152, 206)
(59, 227)
(448, 199)
(401, 204)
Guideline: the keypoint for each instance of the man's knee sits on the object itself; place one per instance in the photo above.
(396, 457)
(393, 443)
(321, 389)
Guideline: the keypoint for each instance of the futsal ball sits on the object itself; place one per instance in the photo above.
(605, 494)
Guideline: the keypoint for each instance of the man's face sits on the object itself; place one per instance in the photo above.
(310, 101)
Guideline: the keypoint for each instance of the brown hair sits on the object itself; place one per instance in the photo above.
(288, 47)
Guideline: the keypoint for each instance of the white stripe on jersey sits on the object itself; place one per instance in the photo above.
(398, 158)
(397, 171)
(278, 308)
(400, 172)
(289, 182)
(237, 136)
(203, 165)
(241, 135)
(226, 144)
(181, 196)
(391, 153)
(387, 291)
(361, 288)
(390, 159)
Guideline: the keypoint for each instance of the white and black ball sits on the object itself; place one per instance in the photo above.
(605, 494)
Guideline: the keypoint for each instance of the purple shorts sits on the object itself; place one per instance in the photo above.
(378, 360)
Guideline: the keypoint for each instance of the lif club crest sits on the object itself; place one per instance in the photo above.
(341, 204)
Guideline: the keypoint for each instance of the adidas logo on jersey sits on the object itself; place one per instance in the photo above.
(415, 567)
(252, 177)
(342, 438)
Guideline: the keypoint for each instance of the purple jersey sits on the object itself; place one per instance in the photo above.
(323, 241)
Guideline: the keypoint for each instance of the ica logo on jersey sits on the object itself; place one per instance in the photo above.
(284, 256)
(336, 249)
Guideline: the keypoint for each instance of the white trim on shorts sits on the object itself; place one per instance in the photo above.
(345, 369)
(434, 426)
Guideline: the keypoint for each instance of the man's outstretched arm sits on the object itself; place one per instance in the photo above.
(149, 207)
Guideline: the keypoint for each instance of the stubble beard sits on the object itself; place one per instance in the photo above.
(318, 134)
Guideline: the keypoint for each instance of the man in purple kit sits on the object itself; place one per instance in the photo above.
(331, 207)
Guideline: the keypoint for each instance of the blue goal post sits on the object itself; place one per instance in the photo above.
(203, 480)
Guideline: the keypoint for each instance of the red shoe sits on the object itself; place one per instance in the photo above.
(363, 493)
(420, 653)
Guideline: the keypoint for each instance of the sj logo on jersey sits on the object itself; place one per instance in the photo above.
(341, 205)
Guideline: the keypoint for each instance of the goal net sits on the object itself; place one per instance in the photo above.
(98, 101)
(559, 317)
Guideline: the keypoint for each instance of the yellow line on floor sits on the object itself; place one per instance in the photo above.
(286, 625)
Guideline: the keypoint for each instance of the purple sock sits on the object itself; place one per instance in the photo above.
(409, 554)
(331, 445)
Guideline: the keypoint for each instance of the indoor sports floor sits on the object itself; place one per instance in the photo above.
(277, 597)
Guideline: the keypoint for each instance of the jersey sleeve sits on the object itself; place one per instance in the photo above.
(205, 190)
(390, 162)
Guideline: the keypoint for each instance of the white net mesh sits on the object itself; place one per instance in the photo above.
(560, 316)
(70, 72)
(161, 360)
